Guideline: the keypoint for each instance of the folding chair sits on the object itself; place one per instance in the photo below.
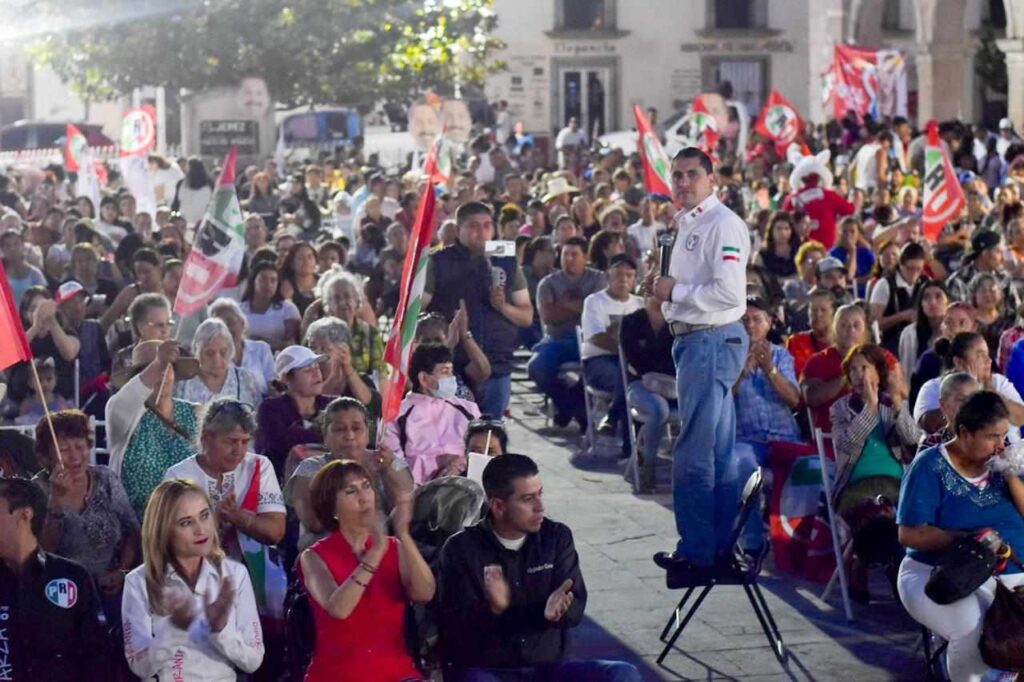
(835, 525)
(935, 670)
(633, 419)
(739, 571)
(595, 401)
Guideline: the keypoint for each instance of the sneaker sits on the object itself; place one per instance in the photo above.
(606, 427)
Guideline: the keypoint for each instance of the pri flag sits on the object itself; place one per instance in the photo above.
(943, 195)
(779, 122)
(867, 82)
(216, 256)
(656, 163)
(75, 149)
(438, 164)
(14, 348)
(706, 128)
(414, 277)
(78, 159)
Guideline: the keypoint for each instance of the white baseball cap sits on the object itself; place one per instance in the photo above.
(1005, 124)
(295, 357)
(69, 290)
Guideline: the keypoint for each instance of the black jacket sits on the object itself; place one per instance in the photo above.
(49, 623)
(521, 636)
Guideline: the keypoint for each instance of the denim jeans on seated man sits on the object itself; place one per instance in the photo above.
(493, 397)
(706, 474)
(749, 456)
(548, 356)
(654, 411)
(605, 374)
(562, 671)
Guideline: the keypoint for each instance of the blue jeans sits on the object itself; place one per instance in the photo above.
(705, 475)
(605, 374)
(493, 397)
(562, 671)
(655, 411)
(548, 356)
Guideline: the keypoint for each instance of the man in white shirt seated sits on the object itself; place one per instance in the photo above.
(645, 231)
(602, 315)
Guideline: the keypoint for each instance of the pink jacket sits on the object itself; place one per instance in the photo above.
(433, 427)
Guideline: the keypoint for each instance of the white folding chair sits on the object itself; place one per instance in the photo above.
(596, 402)
(633, 418)
(834, 523)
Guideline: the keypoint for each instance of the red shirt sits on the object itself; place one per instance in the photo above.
(369, 644)
(824, 206)
(802, 346)
(826, 366)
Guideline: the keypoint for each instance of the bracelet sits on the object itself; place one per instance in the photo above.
(357, 582)
(248, 521)
(367, 567)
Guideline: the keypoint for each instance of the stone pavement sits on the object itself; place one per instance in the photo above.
(616, 534)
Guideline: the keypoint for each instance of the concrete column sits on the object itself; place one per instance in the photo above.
(939, 81)
(1014, 51)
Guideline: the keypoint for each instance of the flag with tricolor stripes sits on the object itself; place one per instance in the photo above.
(731, 253)
(15, 347)
(410, 301)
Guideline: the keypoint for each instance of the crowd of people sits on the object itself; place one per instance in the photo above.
(243, 508)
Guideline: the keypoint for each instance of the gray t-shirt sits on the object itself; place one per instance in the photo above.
(558, 286)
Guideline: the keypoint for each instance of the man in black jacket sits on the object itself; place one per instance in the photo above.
(510, 587)
(49, 611)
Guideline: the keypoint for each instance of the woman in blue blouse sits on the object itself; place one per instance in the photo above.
(950, 491)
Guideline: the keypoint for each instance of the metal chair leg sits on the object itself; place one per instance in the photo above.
(679, 630)
(674, 618)
(764, 616)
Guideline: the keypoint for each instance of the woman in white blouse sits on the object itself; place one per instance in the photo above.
(214, 347)
(189, 612)
(251, 354)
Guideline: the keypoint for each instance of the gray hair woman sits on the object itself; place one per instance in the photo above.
(251, 354)
(341, 295)
(330, 336)
(214, 346)
(242, 485)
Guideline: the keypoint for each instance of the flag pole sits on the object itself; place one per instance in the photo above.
(46, 411)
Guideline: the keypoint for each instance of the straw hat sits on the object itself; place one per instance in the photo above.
(557, 186)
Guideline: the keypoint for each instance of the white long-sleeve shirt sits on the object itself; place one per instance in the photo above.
(124, 410)
(709, 264)
(154, 646)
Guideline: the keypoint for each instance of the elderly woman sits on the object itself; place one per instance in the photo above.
(345, 424)
(89, 518)
(148, 430)
(289, 419)
(360, 581)
(251, 354)
(341, 295)
(871, 428)
(953, 391)
(214, 347)
(950, 491)
(430, 430)
(241, 485)
(149, 316)
(330, 336)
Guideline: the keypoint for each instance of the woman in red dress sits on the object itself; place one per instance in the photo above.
(360, 580)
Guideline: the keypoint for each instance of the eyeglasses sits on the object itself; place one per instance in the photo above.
(239, 409)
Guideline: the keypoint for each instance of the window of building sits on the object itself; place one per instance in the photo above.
(747, 80)
(897, 15)
(738, 14)
(584, 15)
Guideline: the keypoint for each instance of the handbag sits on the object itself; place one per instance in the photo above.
(1002, 633)
(962, 569)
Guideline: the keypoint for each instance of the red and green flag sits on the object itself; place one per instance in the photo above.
(438, 164)
(219, 246)
(656, 163)
(75, 149)
(779, 121)
(706, 128)
(943, 195)
(410, 302)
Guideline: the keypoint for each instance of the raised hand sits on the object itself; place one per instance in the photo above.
(497, 591)
(180, 608)
(217, 611)
(559, 602)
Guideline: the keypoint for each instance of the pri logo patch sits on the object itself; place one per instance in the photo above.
(691, 242)
(62, 592)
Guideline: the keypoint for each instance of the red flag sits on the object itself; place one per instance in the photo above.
(410, 301)
(943, 196)
(779, 121)
(74, 146)
(438, 164)
(656, 163)
(14, 348)
(707, 128)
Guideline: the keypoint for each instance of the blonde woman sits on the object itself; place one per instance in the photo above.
(189, 612)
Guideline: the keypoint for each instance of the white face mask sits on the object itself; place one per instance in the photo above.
(446, 388)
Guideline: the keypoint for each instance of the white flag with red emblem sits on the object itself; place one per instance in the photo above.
(656, 163)
(779, 121)
(219, 249)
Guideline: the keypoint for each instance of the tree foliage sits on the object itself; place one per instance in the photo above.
(989, 60)
(351, 52)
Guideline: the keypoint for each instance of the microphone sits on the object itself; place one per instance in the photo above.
(665, 241)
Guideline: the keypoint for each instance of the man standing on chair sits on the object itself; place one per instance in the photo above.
(704, 297)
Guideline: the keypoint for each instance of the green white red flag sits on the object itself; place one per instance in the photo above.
(410, 302)
(943, 196)
(219, 249)
(78, 159)
(75, 149)
(438, 164)
(706, 127)
(779, 121)
(656, 163)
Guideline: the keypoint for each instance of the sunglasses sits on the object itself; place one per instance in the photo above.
(230, 407)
